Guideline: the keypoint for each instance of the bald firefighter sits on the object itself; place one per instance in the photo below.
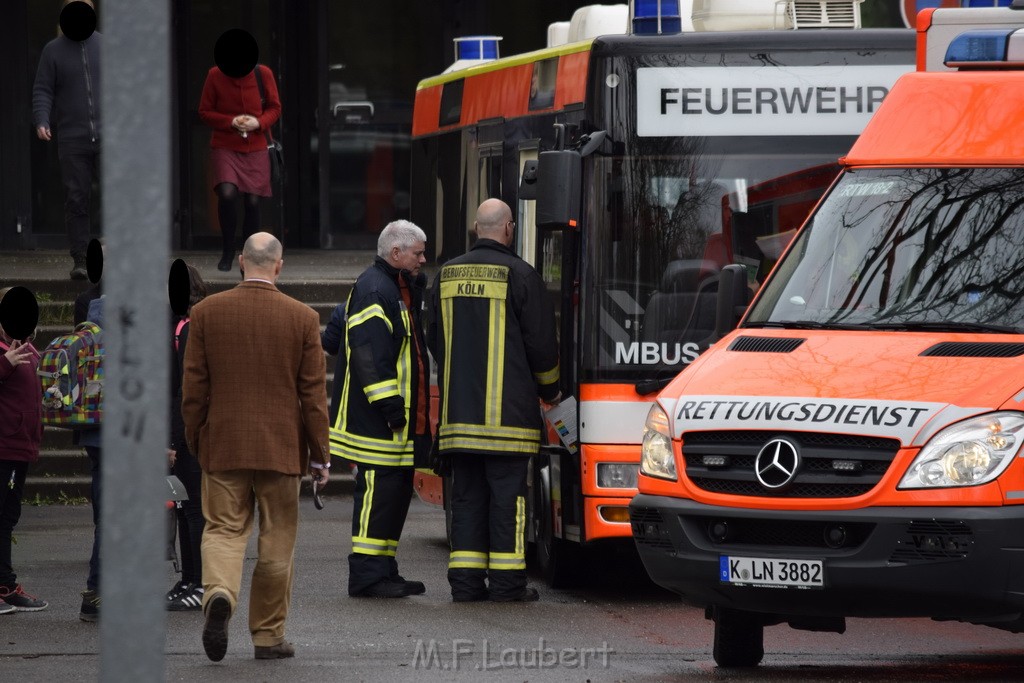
(492, 332)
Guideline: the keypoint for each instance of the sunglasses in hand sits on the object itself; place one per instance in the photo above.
(318, 502)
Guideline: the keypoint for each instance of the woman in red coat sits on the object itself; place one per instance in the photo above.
(232, 106)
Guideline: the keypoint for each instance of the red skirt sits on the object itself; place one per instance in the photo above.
(248, 171)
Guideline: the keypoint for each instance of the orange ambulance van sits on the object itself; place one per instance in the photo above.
(854, 447)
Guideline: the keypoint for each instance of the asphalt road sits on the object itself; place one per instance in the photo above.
(615, 627)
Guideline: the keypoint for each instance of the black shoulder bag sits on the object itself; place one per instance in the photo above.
(274, 148)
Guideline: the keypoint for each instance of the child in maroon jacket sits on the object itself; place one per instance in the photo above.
(21, 430)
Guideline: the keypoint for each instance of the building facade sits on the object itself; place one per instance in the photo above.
(347, 74)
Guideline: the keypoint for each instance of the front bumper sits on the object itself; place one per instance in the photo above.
(964, 563)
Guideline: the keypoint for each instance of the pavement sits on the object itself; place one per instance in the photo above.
(51, 559)
(614, 628)
(338, 638)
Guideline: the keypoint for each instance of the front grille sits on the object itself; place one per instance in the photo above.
(795, 491)
(932, 540)
(816, 476)
(648, 528)
(644, 515)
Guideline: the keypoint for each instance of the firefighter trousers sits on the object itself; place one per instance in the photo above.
(381, 498)
(488, 526)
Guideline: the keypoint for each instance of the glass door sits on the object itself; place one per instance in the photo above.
(371, 82)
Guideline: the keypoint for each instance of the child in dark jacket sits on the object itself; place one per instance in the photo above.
(21, 430)
(186, 594)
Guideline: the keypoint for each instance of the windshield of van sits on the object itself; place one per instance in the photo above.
(931, 248)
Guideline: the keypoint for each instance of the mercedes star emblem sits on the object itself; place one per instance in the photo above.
(777, 463)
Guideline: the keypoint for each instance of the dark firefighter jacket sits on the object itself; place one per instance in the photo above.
(381, 386)
(492, 332)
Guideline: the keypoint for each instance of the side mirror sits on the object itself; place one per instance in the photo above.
(528, 182)
(592, 142)
(558, 189)
(732, 298)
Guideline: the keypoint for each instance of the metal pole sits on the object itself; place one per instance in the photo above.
(136, 111)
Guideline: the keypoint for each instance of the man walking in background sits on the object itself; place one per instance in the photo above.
(66, 99)
(492, 334)
(254, 403)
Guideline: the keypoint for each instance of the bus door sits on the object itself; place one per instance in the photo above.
(526, 209)
(486, 181)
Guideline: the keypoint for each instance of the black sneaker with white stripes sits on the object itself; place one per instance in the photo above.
(176, 590)
(190, 599)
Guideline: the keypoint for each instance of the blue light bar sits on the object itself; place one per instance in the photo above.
(653, 17)
(986, 47)
(477, 47)
(650, 8)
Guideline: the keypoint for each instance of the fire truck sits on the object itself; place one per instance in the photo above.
(638, 163)
(854, 447)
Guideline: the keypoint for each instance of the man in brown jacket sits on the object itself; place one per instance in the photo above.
(254, 402)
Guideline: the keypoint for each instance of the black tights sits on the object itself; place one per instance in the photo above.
(227, 212)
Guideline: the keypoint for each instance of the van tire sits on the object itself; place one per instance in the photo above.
(739, 638)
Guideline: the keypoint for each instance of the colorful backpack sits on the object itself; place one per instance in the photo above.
(71, 371)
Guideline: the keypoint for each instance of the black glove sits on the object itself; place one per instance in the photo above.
(393, 408)
(440, 463)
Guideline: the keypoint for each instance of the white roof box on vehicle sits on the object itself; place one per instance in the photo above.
(758, 15)
(598, 20)
(558, 33)
(589, 22)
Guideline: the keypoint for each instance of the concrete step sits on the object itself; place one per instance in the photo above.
(320, 279)
(55, 437)
(56, 298)
(69, 490)
(49, 289)
(57, 317)
(61, 462)
(58, 312)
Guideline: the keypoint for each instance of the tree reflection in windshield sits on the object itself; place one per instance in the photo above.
(900, 246)
(663, 226)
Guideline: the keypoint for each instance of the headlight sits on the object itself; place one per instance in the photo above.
(616, 475)
(656, 458)
(969, 453)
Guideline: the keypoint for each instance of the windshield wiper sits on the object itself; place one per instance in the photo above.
(790, 324)
(808, 325)
(946, 326)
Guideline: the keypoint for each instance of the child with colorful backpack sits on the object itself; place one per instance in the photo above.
(21, 431)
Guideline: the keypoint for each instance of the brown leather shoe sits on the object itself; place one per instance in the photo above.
(215, 631)
(282, 650)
